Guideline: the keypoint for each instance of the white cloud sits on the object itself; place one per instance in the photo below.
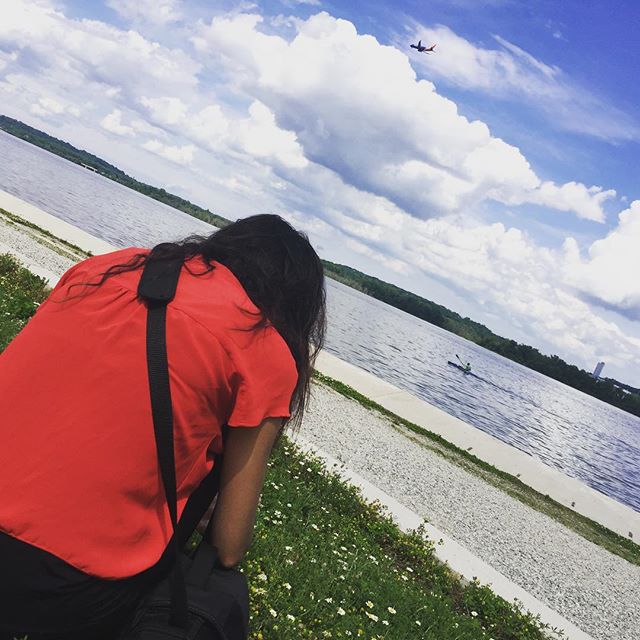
(374, 123)
(113, 122)
(209, 126)
(611, 271)
(178, 154)
(586, 202)
(510, 72)
(6, 59)
(47, 105)
(70, 54)
(165, 110)
(153, 11)
(259, 136)
(256, 135)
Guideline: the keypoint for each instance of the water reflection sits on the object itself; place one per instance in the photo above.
(566, 429)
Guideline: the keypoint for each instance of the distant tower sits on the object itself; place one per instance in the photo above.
(598, 370)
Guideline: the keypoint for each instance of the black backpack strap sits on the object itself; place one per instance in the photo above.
(157, 286)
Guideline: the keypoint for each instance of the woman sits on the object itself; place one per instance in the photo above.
(83, 519)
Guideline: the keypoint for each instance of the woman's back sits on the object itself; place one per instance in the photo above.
(78, 461)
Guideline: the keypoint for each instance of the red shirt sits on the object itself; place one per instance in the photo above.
(79, 476)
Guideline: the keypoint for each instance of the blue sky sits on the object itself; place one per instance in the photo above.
(496, 176)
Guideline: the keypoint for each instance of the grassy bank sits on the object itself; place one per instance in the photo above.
(325, 563)
(587, 528)
(20, 294)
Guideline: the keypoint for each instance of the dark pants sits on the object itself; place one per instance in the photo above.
(47, 599)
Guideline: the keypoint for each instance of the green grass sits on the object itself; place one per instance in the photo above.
(589, 529)
(324, 563)
(20, 294)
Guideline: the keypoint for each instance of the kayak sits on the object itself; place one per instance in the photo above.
(458, 366)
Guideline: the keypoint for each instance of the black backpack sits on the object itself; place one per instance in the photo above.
(199, 600)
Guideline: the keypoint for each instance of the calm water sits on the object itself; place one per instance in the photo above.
(564, 428)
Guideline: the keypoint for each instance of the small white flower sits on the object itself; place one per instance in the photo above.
(372, 616)
(273, 612)
(391, 610)
(341, 611)
(474, 613)
(262, 576)
(329, 600)
(314, 526)
(385, 622)
(369, 604)
(290, 617)
(419, 623)
(287, 586)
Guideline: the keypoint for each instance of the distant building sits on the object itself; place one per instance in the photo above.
(598, 370)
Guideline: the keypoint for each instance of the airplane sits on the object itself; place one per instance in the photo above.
(423, 49)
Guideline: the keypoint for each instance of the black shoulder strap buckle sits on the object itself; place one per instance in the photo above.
(159, 280)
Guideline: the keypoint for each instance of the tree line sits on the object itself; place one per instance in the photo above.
(81, 157)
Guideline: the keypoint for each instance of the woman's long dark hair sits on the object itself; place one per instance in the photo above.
(281, 273)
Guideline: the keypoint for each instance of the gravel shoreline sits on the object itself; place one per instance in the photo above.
(589, 586)
(28, 244)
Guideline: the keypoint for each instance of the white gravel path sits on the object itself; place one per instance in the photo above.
(596, 590)
(27, 245)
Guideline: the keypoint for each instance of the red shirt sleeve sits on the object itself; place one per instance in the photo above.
(266, 378)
